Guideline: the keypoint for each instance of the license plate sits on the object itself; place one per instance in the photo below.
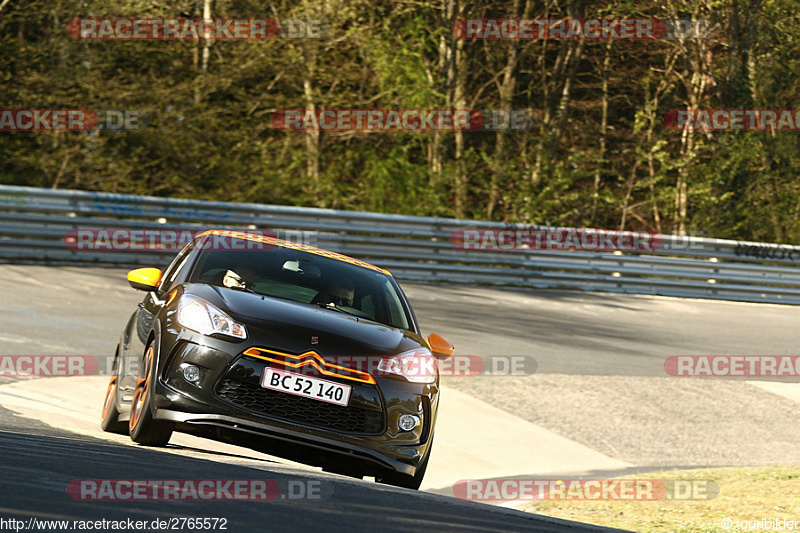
(306, 386)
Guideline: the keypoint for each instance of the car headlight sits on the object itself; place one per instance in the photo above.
(200, 316)
(416, 366)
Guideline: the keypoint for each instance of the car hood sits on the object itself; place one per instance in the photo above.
(290, 326)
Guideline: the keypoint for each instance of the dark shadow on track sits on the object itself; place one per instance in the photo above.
(39, 462)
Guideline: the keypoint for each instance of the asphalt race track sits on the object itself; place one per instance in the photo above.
(599, 403)
(38, 462)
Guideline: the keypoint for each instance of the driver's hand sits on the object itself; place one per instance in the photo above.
(233, 280)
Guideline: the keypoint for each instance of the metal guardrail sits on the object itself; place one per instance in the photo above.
(34, 223)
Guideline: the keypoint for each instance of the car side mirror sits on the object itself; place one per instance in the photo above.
(440, 348)
(144, 279)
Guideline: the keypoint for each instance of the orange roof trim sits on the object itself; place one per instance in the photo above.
(295, 246)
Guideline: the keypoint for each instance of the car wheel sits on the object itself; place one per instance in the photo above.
(110, 413)
(143, 428)
(404, 480)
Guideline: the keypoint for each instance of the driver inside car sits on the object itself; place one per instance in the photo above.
(340, 293)
(241, 278)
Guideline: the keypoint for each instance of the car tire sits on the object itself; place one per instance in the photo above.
(110, 413)
(143, 428)
(404, 480)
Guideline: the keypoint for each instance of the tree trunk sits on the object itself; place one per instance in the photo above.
(459, 102)
(206, 43)
(557, 95)
(312, 139)
(603, 132)
(446, 68)
(506, 97)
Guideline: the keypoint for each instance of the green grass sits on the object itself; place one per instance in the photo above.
(749, 493)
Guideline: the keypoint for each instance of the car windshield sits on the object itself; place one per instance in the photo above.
(303, 277)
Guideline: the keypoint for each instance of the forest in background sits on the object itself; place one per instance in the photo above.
(598, 156)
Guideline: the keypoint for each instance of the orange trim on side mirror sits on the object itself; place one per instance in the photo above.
(144, 279)
(439, 346)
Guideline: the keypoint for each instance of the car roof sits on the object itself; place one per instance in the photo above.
(266, 239)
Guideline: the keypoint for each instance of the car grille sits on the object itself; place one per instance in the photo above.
(299, 410)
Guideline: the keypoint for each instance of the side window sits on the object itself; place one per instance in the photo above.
(175, 268)
(397, 315)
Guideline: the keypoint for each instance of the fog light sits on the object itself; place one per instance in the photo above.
(408, 422)
(191, 373)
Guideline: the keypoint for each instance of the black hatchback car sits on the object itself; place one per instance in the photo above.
(285, 348)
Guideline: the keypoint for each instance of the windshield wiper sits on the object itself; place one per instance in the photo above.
(242, 288)
(334, 307)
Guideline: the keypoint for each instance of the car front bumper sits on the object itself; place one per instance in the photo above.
(202, 409)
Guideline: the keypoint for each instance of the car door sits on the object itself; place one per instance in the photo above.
(142, 322)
